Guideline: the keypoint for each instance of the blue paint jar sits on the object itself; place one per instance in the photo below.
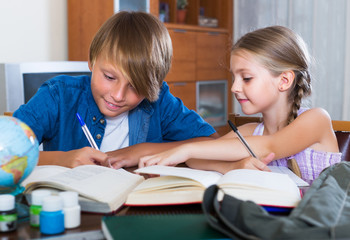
(52, 216)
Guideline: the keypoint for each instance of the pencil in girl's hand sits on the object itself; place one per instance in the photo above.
(234, 128)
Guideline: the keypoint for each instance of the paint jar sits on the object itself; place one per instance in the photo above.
(37, 197)
(71, 209)
(8, 213)
(52, 216)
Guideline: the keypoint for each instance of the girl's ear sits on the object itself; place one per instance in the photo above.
(286, 80)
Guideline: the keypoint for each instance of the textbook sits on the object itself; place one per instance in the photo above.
(159, 226)
(101, 189)
(177, 185)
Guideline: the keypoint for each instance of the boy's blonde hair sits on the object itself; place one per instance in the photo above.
(280, 49)
(140, 45)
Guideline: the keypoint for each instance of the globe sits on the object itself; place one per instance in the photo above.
(19, 152)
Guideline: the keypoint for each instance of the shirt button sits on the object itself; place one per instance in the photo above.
(102, 121)
(98, 136)
(94, 118)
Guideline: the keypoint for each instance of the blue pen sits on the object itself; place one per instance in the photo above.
(87, 132)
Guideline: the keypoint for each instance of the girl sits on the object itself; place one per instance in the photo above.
(270, 69)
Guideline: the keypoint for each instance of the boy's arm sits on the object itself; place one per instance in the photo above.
(130, 156)
(73, 158)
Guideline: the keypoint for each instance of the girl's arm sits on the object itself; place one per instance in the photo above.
(225, 166)
(130, 156)
(312, 129)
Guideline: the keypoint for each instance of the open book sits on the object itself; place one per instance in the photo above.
(184, 185)
(100, 189)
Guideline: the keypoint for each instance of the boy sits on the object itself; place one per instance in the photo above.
(124, 104)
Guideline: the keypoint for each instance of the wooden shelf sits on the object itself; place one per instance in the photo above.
(218, 9)
(195, 28)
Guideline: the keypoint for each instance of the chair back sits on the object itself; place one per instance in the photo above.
(342, 131)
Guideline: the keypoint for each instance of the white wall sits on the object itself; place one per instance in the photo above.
(33, 30)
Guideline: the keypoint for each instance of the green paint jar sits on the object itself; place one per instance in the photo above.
(37, 197)
(8, 213)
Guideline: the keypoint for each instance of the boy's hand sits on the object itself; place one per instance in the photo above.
(85, 156)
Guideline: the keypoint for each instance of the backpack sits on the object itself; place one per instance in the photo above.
(322, 213)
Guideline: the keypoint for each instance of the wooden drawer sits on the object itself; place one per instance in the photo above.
(186, 91)
(184, 60)
(212, 56)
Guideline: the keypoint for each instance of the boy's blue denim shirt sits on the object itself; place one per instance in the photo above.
(51, 113)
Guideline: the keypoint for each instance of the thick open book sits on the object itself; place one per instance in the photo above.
(184, 185)
(100, 189)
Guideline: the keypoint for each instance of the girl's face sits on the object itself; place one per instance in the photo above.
(112, 92)
(253, 85)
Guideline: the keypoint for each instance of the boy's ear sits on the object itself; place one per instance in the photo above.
(90, 65)
(286, 80)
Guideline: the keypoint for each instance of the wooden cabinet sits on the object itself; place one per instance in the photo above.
(200, 53)
(186, 91)
(183, 67)
(84, 20)
(211, 55)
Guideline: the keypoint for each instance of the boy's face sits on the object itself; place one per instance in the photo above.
(112, 92)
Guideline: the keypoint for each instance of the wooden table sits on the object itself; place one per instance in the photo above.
(90, 227)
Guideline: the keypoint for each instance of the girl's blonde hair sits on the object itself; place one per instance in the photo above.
(140, 45)
(280, 49)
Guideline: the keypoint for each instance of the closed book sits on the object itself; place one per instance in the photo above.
(159, 226)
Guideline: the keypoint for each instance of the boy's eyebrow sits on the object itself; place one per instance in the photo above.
(112, 70)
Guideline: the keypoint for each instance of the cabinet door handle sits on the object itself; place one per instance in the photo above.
(180, 30)
(213, 33)
(180, 84)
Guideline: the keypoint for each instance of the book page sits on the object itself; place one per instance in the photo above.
(264, 197)
(43, 172)
(259, 179)
(206, 178)
(279, 169)
(264, 188)
(167, 183)
(166, 190)
(97, 182)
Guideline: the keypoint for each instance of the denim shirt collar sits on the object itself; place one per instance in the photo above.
(93, 111)
(141, 114)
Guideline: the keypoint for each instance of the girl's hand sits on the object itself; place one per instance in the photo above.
(129, 156)
(171, 157)
(254, 163)
(85, 156)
